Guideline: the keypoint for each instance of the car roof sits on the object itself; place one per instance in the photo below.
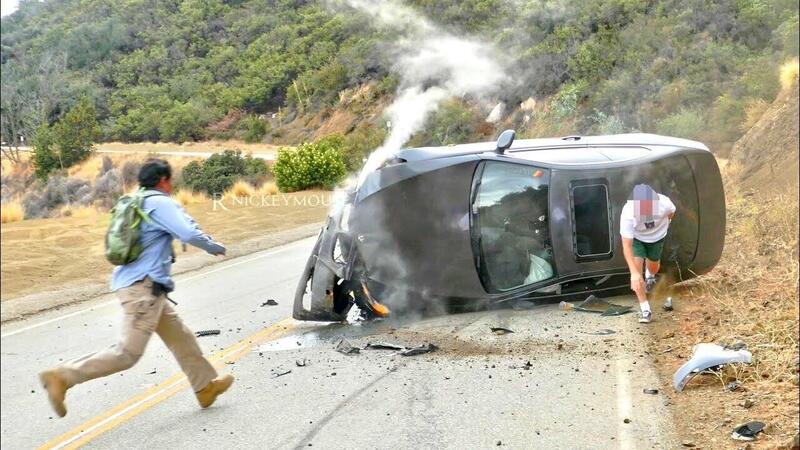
(567, 150)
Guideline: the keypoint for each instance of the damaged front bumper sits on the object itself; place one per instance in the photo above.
(330, 284)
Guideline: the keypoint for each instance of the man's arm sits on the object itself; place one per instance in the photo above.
(627, 250)
(174, 219)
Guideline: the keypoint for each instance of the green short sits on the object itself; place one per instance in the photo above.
(648, 250)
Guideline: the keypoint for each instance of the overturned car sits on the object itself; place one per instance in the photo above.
(509, 220)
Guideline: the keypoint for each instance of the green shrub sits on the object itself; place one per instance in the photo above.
(452, 124)
(254, 129)
(686, 124)
(360, 143)
(67, 142)
(311, 165)
(217, 173)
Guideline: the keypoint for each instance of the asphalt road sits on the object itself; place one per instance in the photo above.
(551, 384)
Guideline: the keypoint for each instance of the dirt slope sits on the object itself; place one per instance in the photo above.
(768, 153)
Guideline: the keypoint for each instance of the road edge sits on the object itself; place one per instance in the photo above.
(31, 305)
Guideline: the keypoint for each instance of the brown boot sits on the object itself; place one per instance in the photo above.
(209, 394)
(56, 388)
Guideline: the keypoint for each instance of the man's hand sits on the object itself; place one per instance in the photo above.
(637, 284)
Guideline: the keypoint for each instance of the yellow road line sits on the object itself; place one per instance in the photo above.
(130, 408)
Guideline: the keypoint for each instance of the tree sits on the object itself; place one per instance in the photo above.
(68, 141)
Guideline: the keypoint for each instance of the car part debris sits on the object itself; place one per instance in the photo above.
(345, 347)
(596, 305)
(207, 333)
(269, 302)
(418, 350)
(651, 391)
(748, 431)
(667, 304)
(732, 386)
(601, 332)
(383, 346)
(301, 362)
(706, 356)
(279, 372)
(500, 330)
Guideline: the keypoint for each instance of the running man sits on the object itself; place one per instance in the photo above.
(142, 288)
(643, 225)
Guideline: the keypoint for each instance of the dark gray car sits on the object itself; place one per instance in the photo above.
(508, 220)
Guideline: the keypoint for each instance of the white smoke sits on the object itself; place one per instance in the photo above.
(432, 65)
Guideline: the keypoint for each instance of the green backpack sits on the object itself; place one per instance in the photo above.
(122, 238)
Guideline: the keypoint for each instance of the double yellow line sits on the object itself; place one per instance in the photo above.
(130, 408)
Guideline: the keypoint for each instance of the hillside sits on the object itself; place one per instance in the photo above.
(769, 153)
(284, 72)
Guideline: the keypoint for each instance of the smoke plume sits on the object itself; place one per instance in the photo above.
(431, 64)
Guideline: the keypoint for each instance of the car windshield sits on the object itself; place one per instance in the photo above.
(510, 216)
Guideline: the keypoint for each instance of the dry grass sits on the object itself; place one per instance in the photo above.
(753, 111)
(240, 189)
(78, 211)
(756, 283)
(268, 188)
(752, 296)
(87, 170)
(187, 197)
(789, 73)
(12, 211)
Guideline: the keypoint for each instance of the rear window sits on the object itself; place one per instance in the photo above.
(591, 224)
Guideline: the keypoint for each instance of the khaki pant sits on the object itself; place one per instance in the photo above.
(144, 313)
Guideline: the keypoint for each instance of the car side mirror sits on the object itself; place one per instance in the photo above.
(504, 141)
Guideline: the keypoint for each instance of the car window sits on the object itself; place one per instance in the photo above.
(510, 216)
(590, 225)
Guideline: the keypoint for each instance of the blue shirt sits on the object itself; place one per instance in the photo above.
(168, 220)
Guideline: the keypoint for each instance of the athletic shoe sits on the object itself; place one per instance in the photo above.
(645, 317)
(649, 283)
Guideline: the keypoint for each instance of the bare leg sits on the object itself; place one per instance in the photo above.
(639, 288)
(653, 266)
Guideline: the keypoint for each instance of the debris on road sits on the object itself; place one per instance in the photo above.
(667, 304)
(651, 391)
(748, 431)
(279, 372)
(269, 302)
(500, 330)
(383, 346)
(202, 333)
(732, 386)
(345, 347)
(419, 350)
(704, 357)
(596, 305)
(601, 332)
(301, 362)
(152, 372)
(748, 403)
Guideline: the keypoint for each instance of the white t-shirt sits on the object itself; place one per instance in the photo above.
(652, 230)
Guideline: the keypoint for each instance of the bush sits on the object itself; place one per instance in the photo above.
(452, 124)
(312, 165)
(66, 142)
(254, 129)
(360, 143)
(686, 124)
(218, 173)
